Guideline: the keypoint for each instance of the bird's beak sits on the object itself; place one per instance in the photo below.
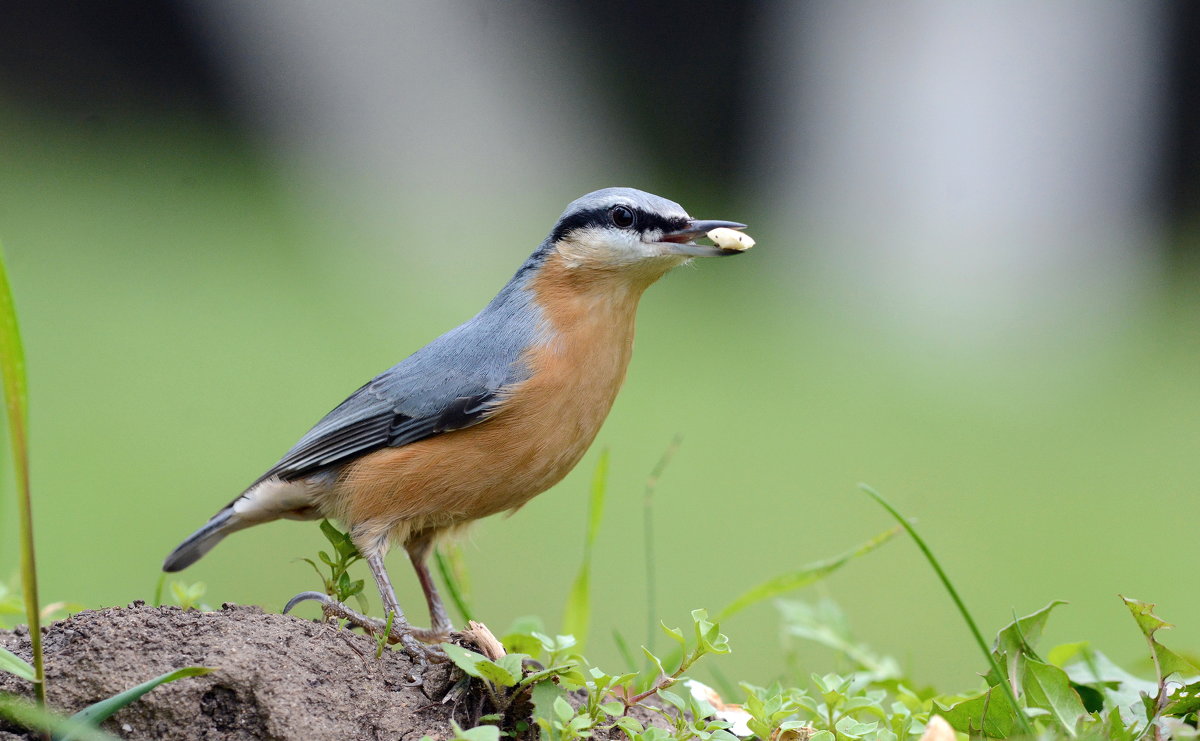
(679, 242)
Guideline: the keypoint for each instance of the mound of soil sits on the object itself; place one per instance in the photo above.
(277, 677)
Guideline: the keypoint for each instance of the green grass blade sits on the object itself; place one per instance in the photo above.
(648, 540)
(804, 576)
(12, 364)
(578, 610)
(158, 588)
(96, 713)
(623, 649)
(33, 717)
(448, 560)
(1022, 719)
(13, 664)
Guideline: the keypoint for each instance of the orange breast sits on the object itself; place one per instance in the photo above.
(544, 426)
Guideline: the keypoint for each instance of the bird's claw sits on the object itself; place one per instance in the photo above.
(304, 597)
(401, 632)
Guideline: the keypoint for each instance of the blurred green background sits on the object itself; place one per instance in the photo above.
(196, 288)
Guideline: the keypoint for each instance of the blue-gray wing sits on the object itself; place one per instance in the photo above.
(380, 415)
(453, 382)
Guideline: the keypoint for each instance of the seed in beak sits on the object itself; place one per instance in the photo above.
(730, 239)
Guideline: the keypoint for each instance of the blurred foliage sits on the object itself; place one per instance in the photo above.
(1074, 692)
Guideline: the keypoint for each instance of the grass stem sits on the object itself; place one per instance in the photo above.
(648, 539)
(12, 360)
(1022, 719)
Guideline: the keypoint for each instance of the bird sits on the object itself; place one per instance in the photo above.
(486, 416)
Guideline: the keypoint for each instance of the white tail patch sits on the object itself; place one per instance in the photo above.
(274, 498)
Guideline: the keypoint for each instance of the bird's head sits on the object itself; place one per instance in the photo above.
(622, 230)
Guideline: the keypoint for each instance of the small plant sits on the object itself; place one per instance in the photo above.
(381, 640)
(338, 583)
(1072, 691)
(188, 596)
(1069, 692)
(544, 678)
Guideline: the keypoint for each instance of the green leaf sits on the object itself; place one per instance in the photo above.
(1184, 700)
(479, 666)
(1091, 668)
(545, 695)
(1165, 660)
(465, 659)
(14, 664)
(580, 722)
(851, 728)
(30, 716)
(566, 674)
(479, 733)
(563, 709)
(512, 666)
(708, 634)
(833, 688)
(97, 713)
(1023, 634)
(657, 662)
(806, 575)
(1048, 687)
(308, 561)
(1116, 729)
(1016, 641)
(672, 699)
(577, 612)
(332, 534)
(630, 725)
(12, 367)
(989, 712)
(675, 633)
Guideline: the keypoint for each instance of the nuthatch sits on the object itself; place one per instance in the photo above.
(486, 416)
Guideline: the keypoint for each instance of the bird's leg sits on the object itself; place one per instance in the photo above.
(386, 593)
(418, 552)
(401, 631)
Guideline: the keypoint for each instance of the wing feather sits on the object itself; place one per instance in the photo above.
(456, 381)
(360, 426)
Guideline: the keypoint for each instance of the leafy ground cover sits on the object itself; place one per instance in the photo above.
(281, 677)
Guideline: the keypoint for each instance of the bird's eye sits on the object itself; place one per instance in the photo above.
(622, 216)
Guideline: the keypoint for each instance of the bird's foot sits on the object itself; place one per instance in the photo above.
(416, 641)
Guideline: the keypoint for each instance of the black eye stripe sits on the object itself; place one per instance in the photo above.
(600, 217)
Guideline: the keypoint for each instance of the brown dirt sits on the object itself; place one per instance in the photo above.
(278, 677)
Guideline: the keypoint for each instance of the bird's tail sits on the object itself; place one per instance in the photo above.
(202, 541)
(265, 501)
